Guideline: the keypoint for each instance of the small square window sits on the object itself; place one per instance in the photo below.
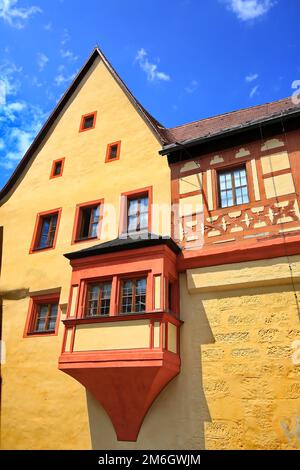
(233, 187)
(43, 315)
(88, 121)
(87, 220)
(113, 151)
(45, 232)
(57, 168)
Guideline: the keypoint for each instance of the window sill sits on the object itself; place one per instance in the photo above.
(38, 250)
(83, 240)
(32, 334)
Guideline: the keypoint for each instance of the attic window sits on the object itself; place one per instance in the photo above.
(57, 168)
(113, 151)
(88, 121)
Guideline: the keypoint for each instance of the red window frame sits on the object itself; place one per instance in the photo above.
(34, 303)
(99, 282)
(230, 170)
(108, 150)
(54, 163)
(125, 197)
(132, 279)
(83, 117)
(78, 221)
(38, 227)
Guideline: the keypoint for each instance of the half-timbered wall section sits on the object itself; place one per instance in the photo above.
(271, 195)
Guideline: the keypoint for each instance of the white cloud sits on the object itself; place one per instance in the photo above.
(67, 54)
(42, 60)
(65, 37)
(2, 93)
(149, 68)
(47, 27)
(192, 86)
(20, 120)
(14, 15)
(247, 10)
(9, 84)
(254, 91)
(36, 82)
(250, 78)
(61, 79)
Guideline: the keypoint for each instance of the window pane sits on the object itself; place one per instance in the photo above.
(140, 300)
(144, 204)
(127, 297)
(133, 206)
(40, 324)
(92, 299)
(85, 222)
(47, 234)
(137, 214)
(144, 221)
(236, 194)
(105, 300)
(132, 223)
(88, 122)
(52, 323)
(113, 151)
(46, 317)
(44, 233)
(52, 230)
(98, 299)
(57, 168)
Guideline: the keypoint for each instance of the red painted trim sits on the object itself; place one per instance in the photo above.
(277, 173)
(34, 300)
(155, 316)
(166, 335)
(52, 174)
(81, 128)
(117, 358)
(124, 204)
(72, 339)
(244, 163)
(63, 347)
(272, 247)
(151, 325)
(107, 159)
(77, 221)
(71, 299)
(37, 228)
(192, 193)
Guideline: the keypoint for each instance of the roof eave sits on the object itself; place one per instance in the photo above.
(171, 148)
(59, 107)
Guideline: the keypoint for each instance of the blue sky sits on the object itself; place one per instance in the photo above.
(183, 59)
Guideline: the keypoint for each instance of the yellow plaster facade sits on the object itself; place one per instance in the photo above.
(238, 387)
(38, 401)
(250, 381)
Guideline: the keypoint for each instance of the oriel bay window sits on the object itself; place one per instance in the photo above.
(98, 299)
(233, 187)
(133, 295)
(87, 220)
(45, 232)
